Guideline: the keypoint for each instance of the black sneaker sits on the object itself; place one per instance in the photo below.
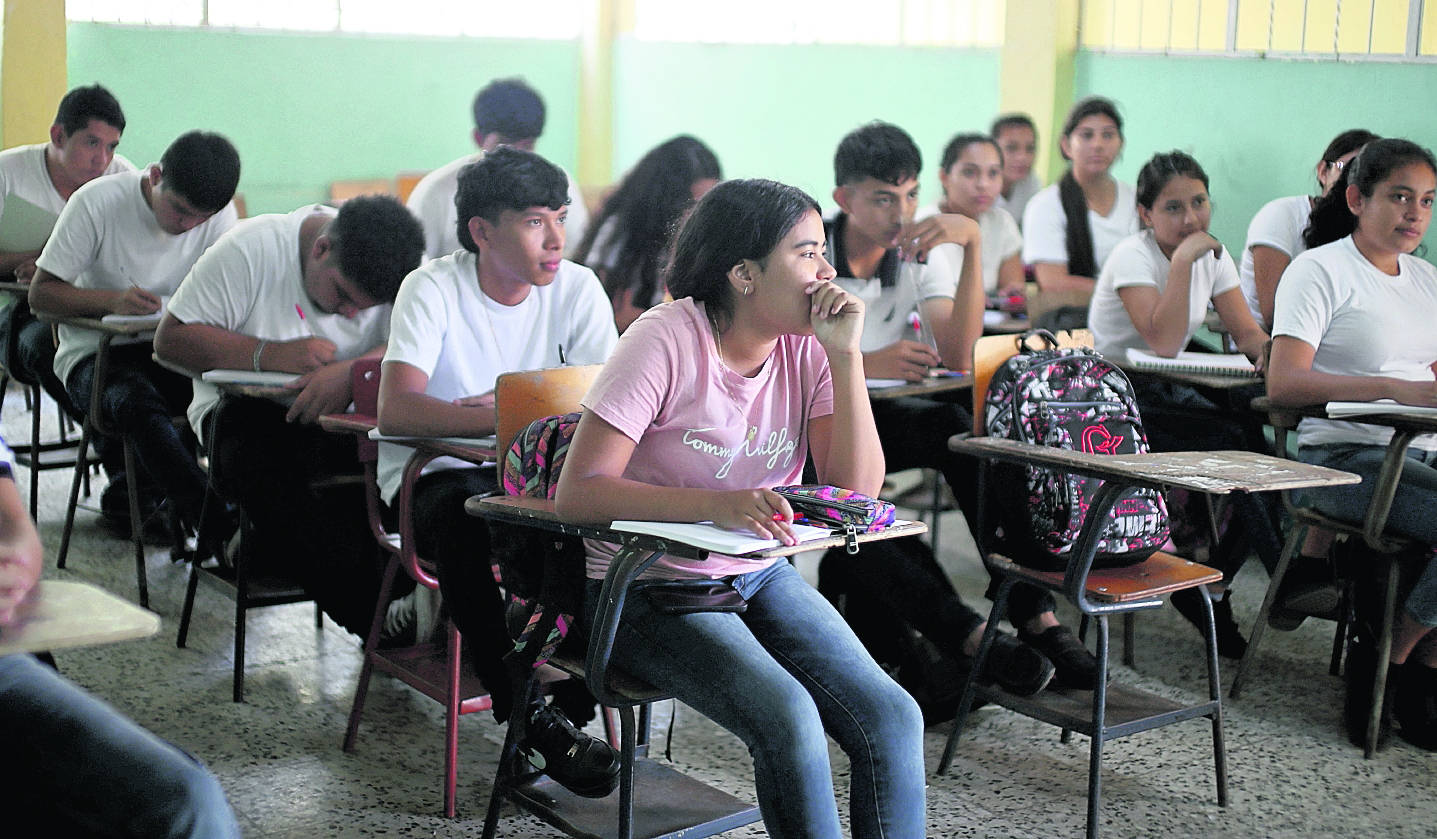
(1413, 687)
(1230, 643)
(1075, 668)
(584, 765)
(1016, 667)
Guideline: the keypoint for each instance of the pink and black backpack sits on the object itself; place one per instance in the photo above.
(1069, 398)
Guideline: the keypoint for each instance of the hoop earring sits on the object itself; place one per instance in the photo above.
(747, 289)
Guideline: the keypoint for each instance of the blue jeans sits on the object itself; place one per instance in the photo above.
(79, 767)
(1412, 507)
(780, 676)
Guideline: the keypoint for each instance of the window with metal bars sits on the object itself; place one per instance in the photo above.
(1347, 29)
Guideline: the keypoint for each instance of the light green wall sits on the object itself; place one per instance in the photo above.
(779, 111)
(1257, 126)
(307, 109)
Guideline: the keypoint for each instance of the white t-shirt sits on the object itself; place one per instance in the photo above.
(888, 308)
(107, 238)
(1001, 240)
(1138, 261)
(432, 201)
(1045, 227)
(1023, 192)
(445, 326)
(1363, 323)
(32, 201)
(1279, 224)
(251, 281)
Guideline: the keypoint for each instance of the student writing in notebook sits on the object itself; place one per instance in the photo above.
(1353, 321)
(122, 242)
(307, 293)
(35, 183)
(708, 403)
(1153, 294)
(507, 301)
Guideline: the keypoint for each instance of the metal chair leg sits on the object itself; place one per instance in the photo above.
(87, 431)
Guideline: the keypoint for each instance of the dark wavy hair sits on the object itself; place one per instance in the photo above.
(1014, 120)
(876, 150)
(1161, 169)
(737, 220)
(1081, 260)
(643, 212)
(377, 242)
(1331, 219)
(506, 179)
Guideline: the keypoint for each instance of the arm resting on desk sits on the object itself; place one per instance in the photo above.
(1291, 381)
(405, 410)
(53, 297)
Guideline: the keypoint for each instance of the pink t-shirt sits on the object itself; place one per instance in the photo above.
(698, 424)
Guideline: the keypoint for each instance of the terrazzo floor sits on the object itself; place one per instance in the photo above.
(1293, 775)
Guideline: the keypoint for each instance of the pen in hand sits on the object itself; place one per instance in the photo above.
(303, 320)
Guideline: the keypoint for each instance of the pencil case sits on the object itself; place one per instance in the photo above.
(839, 508)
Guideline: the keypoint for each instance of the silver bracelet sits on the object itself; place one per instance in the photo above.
(257, 350)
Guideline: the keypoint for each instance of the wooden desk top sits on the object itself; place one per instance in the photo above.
(1216, 473)
(348, 423)
(65, 614)
(127, 328)
(540, 513)
(1290, 416)
(277, 393)
(933, 384)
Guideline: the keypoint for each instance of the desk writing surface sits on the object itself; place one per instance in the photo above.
(474, 450)
(540, 513)
(16, 288)
(65, 614)
(133, 329)
(933, 384)
(1291, 413)
(1209, 472)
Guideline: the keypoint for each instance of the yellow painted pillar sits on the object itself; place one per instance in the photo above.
(1040, 44)
(32, 69)
(604, 21)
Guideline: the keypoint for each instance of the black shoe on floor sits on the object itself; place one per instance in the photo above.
(1074, 667)
(1308, 589)
(584, 765)
(1357, 677)
(1016, 667)
(1414, 703)
(1230, 643)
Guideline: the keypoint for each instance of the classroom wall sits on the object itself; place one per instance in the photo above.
(1258, 126)
(309, 108)
(305, 109)
(779, 111)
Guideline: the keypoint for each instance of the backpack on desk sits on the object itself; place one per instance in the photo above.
(1068, 398)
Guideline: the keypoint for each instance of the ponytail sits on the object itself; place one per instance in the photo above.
(1081, 262)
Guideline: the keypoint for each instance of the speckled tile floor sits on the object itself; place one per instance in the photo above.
(278, 755)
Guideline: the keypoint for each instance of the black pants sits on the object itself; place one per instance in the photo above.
(138, 401)
(915, 432)
(321, 536)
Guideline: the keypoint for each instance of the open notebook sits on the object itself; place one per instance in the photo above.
(148, 320)
(711, 537)
(1337, 410)
(249, 377)
(1216, 364)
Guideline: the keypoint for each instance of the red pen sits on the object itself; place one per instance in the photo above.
(303, 320)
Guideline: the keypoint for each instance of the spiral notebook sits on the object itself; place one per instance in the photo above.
(1213, 364)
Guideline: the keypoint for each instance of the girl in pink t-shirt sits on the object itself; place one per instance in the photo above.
(705, 405)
